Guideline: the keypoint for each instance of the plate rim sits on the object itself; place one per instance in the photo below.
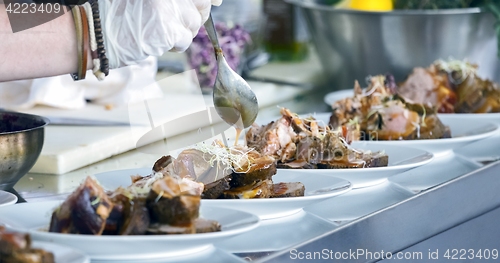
(41, 244)
(253, 222)
(214, 202)
(428, 158)
(333, 93)
(13, 197)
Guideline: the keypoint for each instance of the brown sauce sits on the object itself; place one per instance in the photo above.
(261, 163)
(238, 133)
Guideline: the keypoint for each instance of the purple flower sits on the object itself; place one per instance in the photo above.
(201, 56)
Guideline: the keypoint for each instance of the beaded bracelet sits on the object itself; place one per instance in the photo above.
(96, 62)
(101, 51)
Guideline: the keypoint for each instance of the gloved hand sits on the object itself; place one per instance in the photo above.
(136, 29)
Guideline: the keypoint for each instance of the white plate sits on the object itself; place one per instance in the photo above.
(318, 188)
(332, 97)
(62, 254)
(440, 170)
(462, 134)
(7, 198)
(34, 217)
(484, 150)
(360, 202)
(401, 159)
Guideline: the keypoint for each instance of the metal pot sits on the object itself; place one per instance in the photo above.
(21, 141)
(354, 44)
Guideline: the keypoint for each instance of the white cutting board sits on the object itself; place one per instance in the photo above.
(67, 148)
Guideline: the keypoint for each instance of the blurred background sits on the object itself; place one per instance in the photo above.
(348, 39)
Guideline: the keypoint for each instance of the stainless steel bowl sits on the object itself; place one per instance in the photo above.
(354, 44)
(21, 141)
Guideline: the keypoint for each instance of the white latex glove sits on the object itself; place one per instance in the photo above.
(136, 29)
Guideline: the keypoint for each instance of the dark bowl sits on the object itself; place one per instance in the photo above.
(21, 141)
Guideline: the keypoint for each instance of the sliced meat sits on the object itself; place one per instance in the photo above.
(260, 169)
(429, 87)
(10, 242)
(313, 145)
(85, 211)
(176, 210)
(297, 164)
(120, 203)
(136, 218)
(168, 204)
(215, 189)
(270, 139)
(433, 129)
(16, 248)
(477, 96)
(195, 164)
(393, 122)
(162, 163)
(288, 190)
(366, 161)
(206, 226)
(261, 189)
(310, 149)
(419, 87)
(28, 256)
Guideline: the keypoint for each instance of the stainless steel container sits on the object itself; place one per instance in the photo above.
(354, 44)
(21, 141)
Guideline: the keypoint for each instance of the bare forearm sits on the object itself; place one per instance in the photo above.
(47, 50)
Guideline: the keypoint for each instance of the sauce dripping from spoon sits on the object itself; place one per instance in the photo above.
(238, 133)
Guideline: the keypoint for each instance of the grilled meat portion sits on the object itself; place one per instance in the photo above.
(206, 226)
(10, 242)
(307, 144)
(261, 189)
(16, 248)
(129, 215)
(476, 95)
(377, 113)
(30, 255)
(168, 204)
(288, 190)
(451, 86)
(195, 166)
(156, 204)
(428, 87)
(85, 211)
(262, 168)
(215, 189)
(237, 172)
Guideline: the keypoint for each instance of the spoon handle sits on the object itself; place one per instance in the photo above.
(212, 33)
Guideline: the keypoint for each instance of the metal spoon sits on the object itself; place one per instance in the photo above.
(234, 100)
